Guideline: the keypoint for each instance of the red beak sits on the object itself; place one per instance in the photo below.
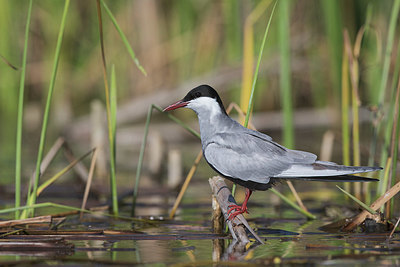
(179, 104)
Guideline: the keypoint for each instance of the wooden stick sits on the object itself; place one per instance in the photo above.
(238, 225)
(40, 219)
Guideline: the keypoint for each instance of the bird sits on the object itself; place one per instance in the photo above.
(250, 158)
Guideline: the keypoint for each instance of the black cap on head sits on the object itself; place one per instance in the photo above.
(204, 91)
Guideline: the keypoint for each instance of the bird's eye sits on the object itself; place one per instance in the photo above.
(197, 94)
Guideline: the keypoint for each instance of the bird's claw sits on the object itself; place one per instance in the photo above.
(238, 210)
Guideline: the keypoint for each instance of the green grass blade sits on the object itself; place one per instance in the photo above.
(390, 120)
(362, 204)
(124, 39)
(388, 52)
(345, 110)
(293, 205)
(140, 162)
(332, 16)
(114, 196)
(384, 78)
(383, 183)
(253, 86)
(285, 73)
(32, 200)
(251, 100)
(113, 121)
(143, 147)
(394, 147)
(61, 173)
(18, 149)
(178, 121)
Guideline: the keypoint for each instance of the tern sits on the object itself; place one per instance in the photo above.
(250, 158)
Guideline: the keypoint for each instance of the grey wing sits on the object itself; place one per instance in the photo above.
(250, 157)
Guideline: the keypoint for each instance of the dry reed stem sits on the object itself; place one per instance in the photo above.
(49, 157)
(394, 228)
(89, 182)
(79, 168)
(185, 184)
(39, 219)
(248, 52)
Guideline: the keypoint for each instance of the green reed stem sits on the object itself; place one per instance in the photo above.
(394, 146)
(285, 73)
(333, 26)
(292, 204)
(18, 148)
(384, 78)
(124, 39)
(178, 121)
(345, 114)
(48, 182)
(113, 126)
(383, 183)
(32, 200)
(388, 51)
(143, 147)
(359, 202)
(114, 196)
(140, 162)
(253, 87)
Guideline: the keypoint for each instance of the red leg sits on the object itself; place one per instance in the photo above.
(239, 209)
